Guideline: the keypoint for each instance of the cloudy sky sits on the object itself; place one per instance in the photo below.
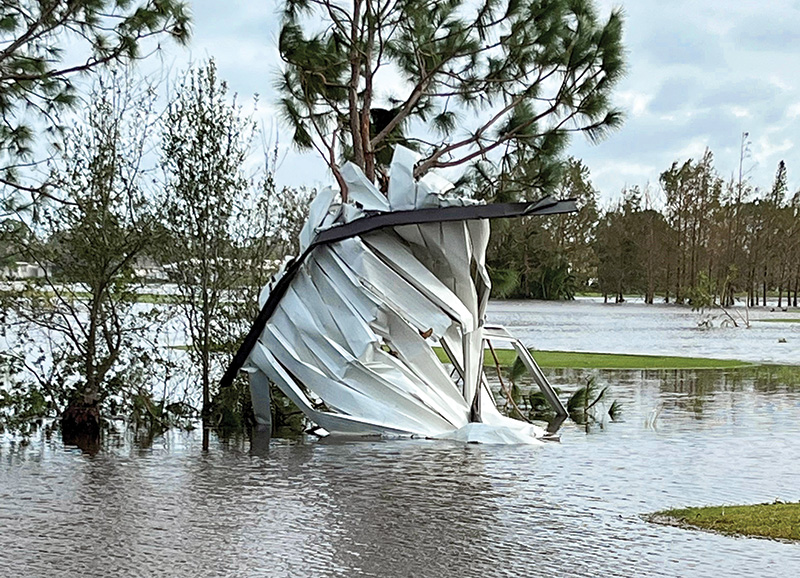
(700, 74)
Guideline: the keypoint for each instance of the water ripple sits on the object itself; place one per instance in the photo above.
(420, 508)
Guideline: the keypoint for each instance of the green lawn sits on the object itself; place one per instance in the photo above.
(158, 298)
(565, 359)
(780, 521)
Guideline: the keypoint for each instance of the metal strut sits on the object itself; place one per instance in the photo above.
(499, 333)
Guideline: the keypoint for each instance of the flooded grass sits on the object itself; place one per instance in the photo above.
(620, 361)
(777, 520)
(578, 360)
(650, 330)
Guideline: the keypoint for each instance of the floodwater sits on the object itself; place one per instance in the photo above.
(593, 326)
(417, 508)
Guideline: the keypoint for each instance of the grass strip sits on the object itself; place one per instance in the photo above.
(577, 360)
(778, 520)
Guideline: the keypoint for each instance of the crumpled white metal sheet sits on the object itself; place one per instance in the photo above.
(350, 341)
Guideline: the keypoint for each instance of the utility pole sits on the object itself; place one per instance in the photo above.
(735, 231)
(743, 150)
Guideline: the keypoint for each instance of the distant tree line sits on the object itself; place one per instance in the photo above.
(694, 232)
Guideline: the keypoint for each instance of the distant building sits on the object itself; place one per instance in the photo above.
(148, 268)
(25, 270)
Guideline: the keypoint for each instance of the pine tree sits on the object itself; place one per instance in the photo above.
(504, 82)
(37, 73)
(780, 186)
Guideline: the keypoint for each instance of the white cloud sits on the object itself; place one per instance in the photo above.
(793, 111)
(694, 149)
(767, 148)
(635, 102)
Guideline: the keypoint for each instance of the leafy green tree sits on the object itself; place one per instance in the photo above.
(12, 234)
(205, 146)
(751, 254)
(693, 192)
(37, 72)
(618, 254)
(504, 82)
(573, 234)
(549, 258)
(655, 242)
(82, 325)
(526, 262)
(793, 235)
(226, 233)
(781, 221)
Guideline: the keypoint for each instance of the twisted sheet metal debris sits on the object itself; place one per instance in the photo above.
(346, 330)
